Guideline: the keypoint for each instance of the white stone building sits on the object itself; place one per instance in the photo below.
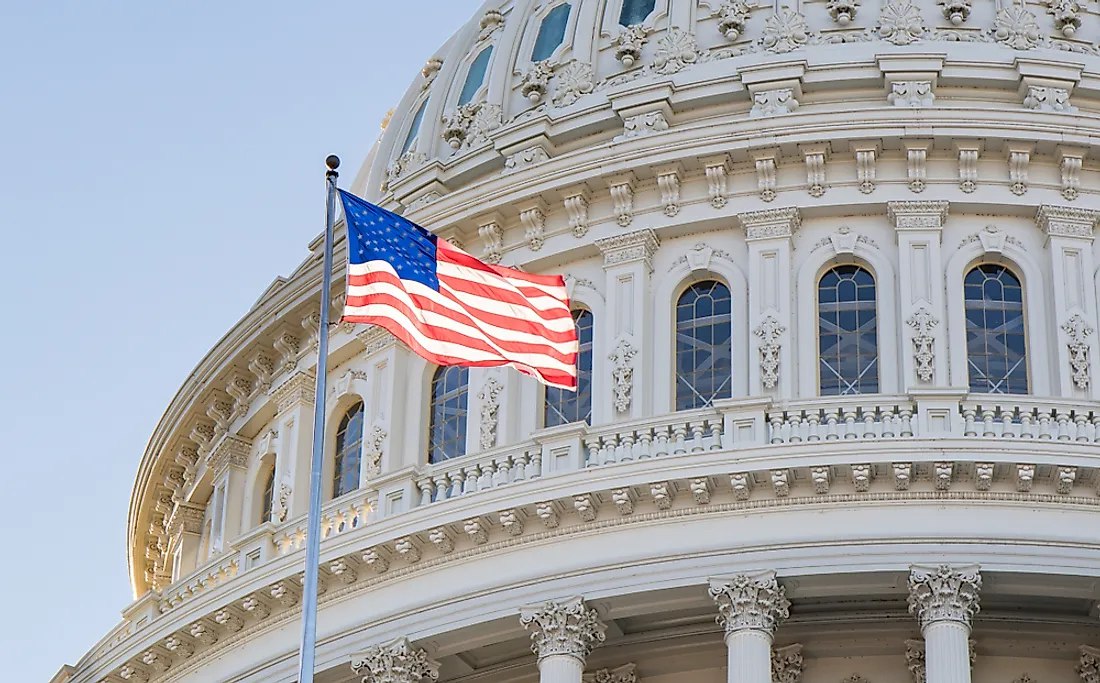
(834, 269)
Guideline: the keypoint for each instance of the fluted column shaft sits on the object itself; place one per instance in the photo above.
(563, 633)
(750, 606)
(945, 599)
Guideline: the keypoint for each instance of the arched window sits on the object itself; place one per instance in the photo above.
(447, 433)
(996, 344)
(562, 406)
(414, 129)
(349, 442)
(847, 332)
(267, 503)
(704, 327)
(551, 33)
(635, 11)
(475, 76)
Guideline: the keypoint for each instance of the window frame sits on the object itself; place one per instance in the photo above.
(436, 374)
(576, 311)
(1016, 270)
(822, 272)
(340, 451)
(678, 294)
(468, 64)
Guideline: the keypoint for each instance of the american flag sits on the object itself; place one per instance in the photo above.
(451, 308)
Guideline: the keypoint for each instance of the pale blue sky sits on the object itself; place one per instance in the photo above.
(160, 163)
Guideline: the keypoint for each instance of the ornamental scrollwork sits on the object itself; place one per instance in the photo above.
(923, 322)
(750, 602)
(785, 31)
(1077, 332)
(676, 50)
(373, 447)
(622, 373)
(900, 22)
(769, 332)
(490, 411)
(1017, 27)
(567, 627)
(572, 81)
(944, 593)
(471, 124)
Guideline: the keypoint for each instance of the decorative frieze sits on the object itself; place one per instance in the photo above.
(771, 223)
(750, 601)
(1065, 221)
(231, 451)
(639, 245)
(917, 215)
(944, 593)
(298, 390)
(397, 661)
(1066, 14)
(566, 627)
(375, 339)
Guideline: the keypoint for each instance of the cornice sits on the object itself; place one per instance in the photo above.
(771, 223)
(1067, 221)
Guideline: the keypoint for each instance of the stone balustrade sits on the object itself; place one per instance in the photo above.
(337, 517)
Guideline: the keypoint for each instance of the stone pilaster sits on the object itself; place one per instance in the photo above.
(1069, 234)
(628, 263)
(921, 298)
(294, 400)
(397, 661)
(563, 633)
(944, 600)
(770, 235)
(750, 607)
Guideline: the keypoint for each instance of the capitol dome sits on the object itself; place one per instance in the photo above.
(833, 269)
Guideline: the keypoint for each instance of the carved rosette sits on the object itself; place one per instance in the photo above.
(900, 22)
(676, 50)
(1016, 27)
(785, 31)
(566, 627)
(395, 662)
(572, 81)
(944, 593)
(750, 602)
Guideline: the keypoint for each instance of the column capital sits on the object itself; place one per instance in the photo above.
(374, 339)
(397, 661)
(299, 388)
(564, 627)
(918, 215)
(639, 245)
(1088, 668)
(750, 602)
(1066, 221)
(231, 451)
(944, 593)
(771, 223)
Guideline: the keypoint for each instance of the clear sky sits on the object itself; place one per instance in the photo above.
(160, 164)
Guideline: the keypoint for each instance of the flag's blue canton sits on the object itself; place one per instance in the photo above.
(375, 234)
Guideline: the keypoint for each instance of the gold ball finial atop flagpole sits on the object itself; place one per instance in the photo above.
(333, 163)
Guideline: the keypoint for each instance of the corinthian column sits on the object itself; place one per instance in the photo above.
(563, 633)
(945, 599)
(395, 662)
(750, 606)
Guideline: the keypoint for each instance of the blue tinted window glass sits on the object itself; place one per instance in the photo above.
(847, 338)
(476, 76)
(447, 432)
(996, 342)
(704, 351)
(551, 33)
(349, 443)
(563, 407)
(414, 129)
(635, 11)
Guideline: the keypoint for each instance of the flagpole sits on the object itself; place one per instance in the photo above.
(307, 654)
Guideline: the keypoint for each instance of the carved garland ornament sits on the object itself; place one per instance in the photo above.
(622, 373)
(1077, 332)
(923, 322)
(769, 332)
(490, 412)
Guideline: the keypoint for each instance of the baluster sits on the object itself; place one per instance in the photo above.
(458, 483)
(645, 443)
(969, 428)
(535, 468)
(987, 422)
(610, 451)
(697, 436)
(1063, 426)
(813, 425)
(716, 434)
(849, 429)
(626, 448)
(776, 420)
(425, 485)
(832, 417)
(662, 441)
(1027, 425)
(868, 423)
(888, 424)
(1096, 426)
(504, 471)
(1045, 419)
(592, 450)
(906, 422)
(442, 487)
(679, 436)
(1080, 423)
(519, 466)
(1008, 424)
(485, 481)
